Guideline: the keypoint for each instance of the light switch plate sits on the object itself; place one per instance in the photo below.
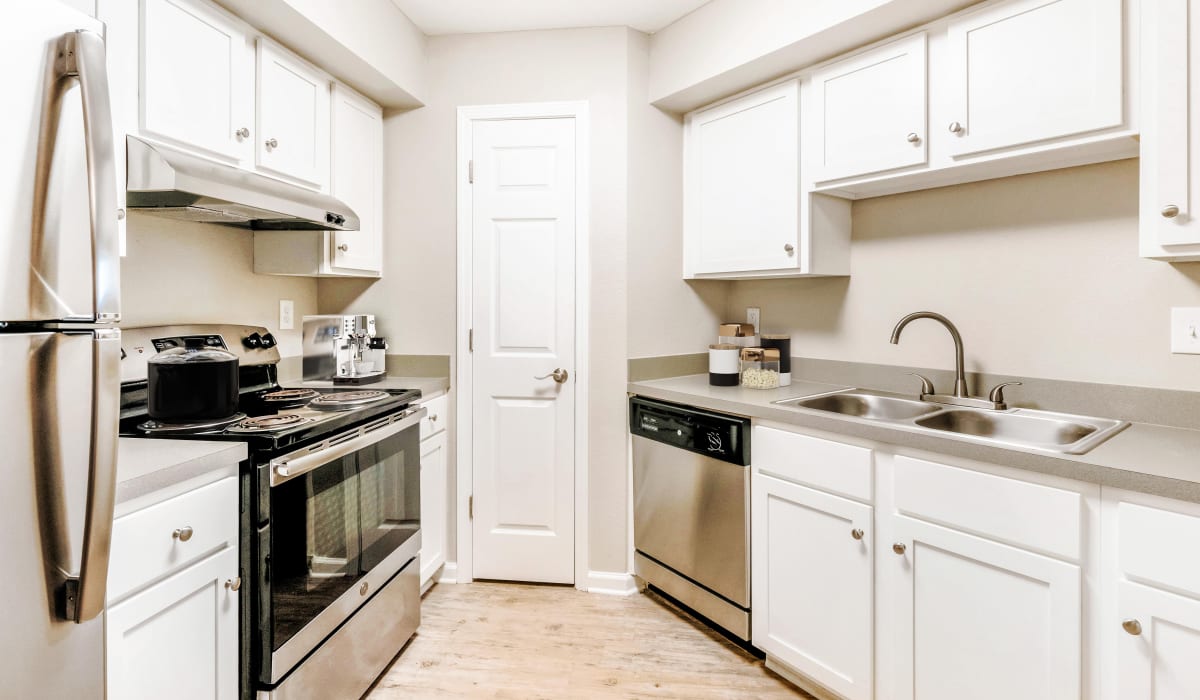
(287, 315)
(754, 318)
(1185, 330)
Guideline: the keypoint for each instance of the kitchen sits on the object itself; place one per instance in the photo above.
(827, 169)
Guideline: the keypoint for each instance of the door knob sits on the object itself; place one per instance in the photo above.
(559, 375)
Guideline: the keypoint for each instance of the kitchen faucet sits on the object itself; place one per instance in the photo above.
(995, 399)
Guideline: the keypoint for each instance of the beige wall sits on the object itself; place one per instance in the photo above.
(667, 316)
(183, 272)
(415, 300)
(1040, 272)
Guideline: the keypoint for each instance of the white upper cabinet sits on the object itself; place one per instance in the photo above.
(869, 111)
(293, 117)
(357, 179)
(1025, 71)
(196, 77)
(1170, 101)
(744, 212)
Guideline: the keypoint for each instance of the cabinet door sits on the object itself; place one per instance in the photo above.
(195, 70)
(178, 638)
(1170, 89)
(982, 620)
(812, 585)
(743, 183)
(293, 117)
(357, 179)
(433, 506)
(1158, 654)
(869, 111)
(1031, 70)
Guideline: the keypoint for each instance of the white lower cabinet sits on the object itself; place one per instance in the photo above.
(812, 584)
(179, 637)
(982, 620)
(434, 510)
(1158, 652)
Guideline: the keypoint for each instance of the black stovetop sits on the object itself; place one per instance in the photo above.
(317, 424)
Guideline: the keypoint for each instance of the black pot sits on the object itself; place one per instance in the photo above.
(191, 384)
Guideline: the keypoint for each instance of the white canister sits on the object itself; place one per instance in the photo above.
(723, 364)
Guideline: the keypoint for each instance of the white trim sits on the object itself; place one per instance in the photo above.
(611, 583)
(449, 573)
(464, 434)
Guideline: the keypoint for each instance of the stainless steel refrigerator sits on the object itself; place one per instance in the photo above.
(59, 351)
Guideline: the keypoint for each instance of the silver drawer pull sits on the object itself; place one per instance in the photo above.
(899, 548)
(1132, 627)
(857, 534)
(183, 534)
(233, 583)
(272, 143)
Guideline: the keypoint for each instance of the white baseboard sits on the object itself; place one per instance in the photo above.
(611, 583)
(449, 573)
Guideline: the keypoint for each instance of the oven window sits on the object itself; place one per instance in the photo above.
(331, 526)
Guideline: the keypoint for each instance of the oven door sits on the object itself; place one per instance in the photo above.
(344, 518)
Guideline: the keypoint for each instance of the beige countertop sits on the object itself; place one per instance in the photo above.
(1154, 459)
(150, 471)
(429, 386)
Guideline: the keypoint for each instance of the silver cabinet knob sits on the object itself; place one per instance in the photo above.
(120, 215)
(362, 590)
(233, 583)
(789, 248)
(183, 534)
(914, 138)
(1170, 211)
(242, 133)
(1132, 626)
(560, 375)
(899, 548)
(272, 143)
(856, 534)
(956, 128)
(433, 417)
(344, 247)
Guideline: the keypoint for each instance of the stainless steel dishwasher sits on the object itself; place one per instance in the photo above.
(691, 508)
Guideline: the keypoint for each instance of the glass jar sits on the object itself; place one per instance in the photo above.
(759, 368)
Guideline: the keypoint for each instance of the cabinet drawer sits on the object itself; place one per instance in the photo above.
(1159, 546)
(435, 421)
(830, 466)
(143, 545)
(1042, 518)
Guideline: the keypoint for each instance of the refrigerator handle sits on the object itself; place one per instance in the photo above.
(85, 595)
(79, 55)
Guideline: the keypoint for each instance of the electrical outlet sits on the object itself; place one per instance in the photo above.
(754, 317)
(1185, 330)
(287, 315)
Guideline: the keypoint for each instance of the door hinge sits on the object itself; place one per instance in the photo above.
(471, 172)
(470, 507)
(471, 340)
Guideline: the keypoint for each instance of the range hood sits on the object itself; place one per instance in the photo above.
(169, 182)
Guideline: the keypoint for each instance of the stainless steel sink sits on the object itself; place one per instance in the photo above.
(862, 405)
(1027, 428)
(1020, 428)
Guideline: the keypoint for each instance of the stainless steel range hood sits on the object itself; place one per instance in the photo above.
(168, 182)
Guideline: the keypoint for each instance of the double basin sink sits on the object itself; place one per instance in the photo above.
(1019, 428)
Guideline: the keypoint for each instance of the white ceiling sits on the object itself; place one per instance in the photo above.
(474, 16)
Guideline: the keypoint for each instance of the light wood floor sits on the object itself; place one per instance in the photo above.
(501, 640)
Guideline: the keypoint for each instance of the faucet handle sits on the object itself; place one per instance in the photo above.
(926, 385)
(996, 395)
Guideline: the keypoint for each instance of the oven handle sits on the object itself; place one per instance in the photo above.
(303, 461)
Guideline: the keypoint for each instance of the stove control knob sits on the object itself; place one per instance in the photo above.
(268, 341)
(254, 340)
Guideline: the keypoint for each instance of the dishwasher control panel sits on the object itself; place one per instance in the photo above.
(715, 435)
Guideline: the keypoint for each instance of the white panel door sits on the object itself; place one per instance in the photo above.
(178, 638)
(293, 117)
(1158, 654)
(869, 111)
(433, 506)
(1029, 70)
(523, 223)
(982, 620)
(196, 70)
(813, 586)
(743, 182)
(356, 178)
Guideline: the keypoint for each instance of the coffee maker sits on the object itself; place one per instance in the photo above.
(345, 349)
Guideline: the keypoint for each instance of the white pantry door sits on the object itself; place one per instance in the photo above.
(523, 301)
